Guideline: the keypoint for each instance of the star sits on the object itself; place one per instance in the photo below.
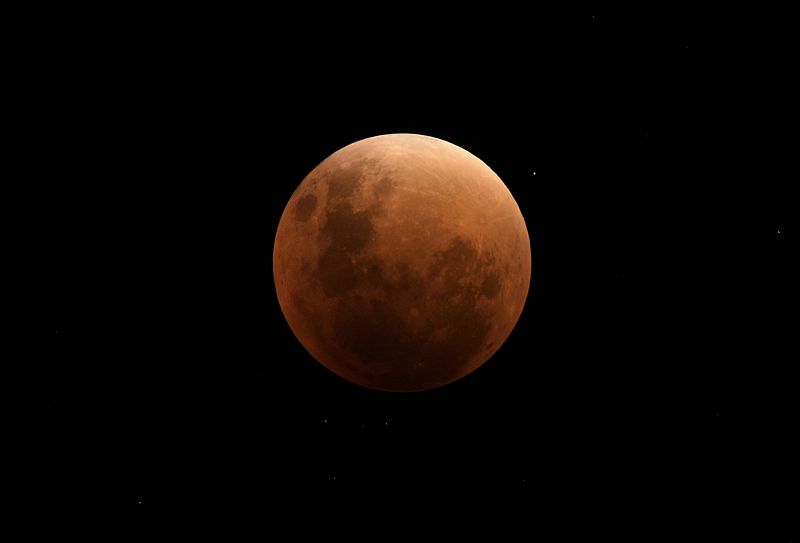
(534, 173)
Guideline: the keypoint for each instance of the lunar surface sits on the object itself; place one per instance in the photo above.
(402, 262)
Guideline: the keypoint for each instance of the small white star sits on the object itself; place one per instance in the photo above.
(534, 173)
(324, 420)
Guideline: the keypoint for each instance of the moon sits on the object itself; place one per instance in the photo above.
(402, 262)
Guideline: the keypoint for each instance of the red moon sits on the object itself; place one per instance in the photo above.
(402, 262)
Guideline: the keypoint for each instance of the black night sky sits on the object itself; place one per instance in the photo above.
(645, 374)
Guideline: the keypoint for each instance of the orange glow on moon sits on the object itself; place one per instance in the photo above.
(402, 262)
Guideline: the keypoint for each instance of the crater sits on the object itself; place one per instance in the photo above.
(373, 272)
(309, 315)
(400, 280)
(376, 333)
(348, 232)
(457, 258)
(305, 207)
(491, 285)
(383, 187)
(343, 184)
(336, 272)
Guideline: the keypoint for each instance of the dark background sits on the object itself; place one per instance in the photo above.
(646, 373)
